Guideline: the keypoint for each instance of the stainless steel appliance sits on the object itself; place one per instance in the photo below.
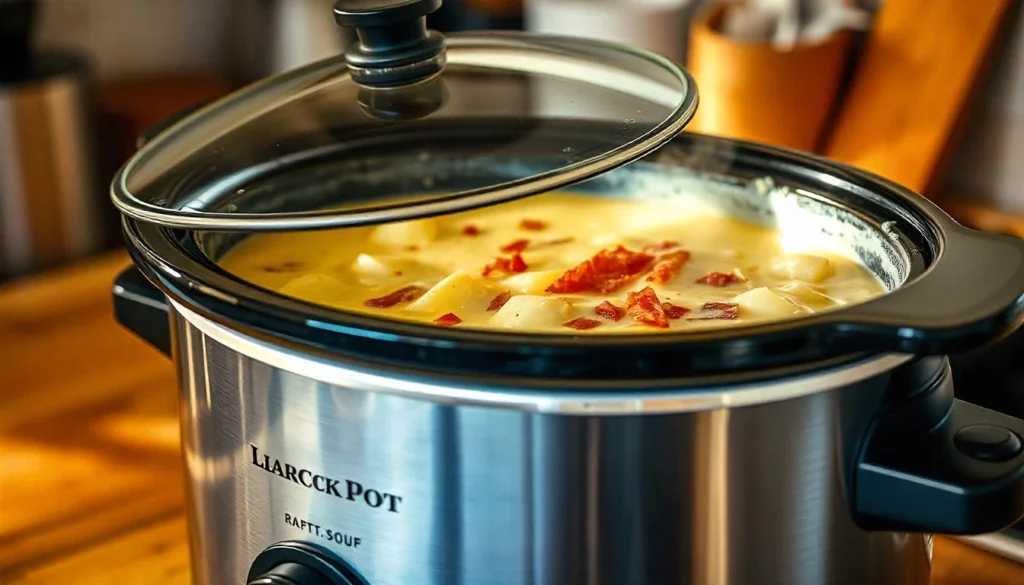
(324, 447)
(51, 198)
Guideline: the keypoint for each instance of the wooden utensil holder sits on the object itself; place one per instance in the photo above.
(752, 91)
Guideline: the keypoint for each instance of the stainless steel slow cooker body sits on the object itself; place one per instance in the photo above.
(812, 452)
(414, 491)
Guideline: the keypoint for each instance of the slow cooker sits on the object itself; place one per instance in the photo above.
(329, 448)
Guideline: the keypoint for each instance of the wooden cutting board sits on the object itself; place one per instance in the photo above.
(908, 96)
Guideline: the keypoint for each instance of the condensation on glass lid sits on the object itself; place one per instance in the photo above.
(559, 263)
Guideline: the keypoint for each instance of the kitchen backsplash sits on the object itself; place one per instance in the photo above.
(129, 37)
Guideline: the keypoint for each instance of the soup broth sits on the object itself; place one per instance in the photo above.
(558, 263)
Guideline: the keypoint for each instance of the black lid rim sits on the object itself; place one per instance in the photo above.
(191, 278)
(414, 356)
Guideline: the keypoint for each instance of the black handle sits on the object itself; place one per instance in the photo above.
(936, 464)
(972, 295)
(142, 309)
(394, 47)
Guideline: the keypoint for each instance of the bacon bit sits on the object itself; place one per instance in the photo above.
(720, 278)
(448, 320)
(717, 311)
(532, 225)
(668, 266)
(412, 248)
(402, 295)
(513, 265)
(515, 247)
(499, 301)
(471, 230)
(518, 264)
(283, 267)
(609, 311)
(582, 323)
(644, 307)
(666, 245)
(607, 271)
(674, 311)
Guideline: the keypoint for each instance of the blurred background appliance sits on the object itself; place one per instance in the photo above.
(50, 192)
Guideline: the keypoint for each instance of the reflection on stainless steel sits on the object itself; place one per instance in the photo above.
(605, 399)
(412, 492)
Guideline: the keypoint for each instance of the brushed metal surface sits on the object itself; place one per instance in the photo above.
(744, 496)
(569, 396)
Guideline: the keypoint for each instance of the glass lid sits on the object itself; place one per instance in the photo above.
(552, 111)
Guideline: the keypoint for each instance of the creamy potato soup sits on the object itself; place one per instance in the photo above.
(558, 263)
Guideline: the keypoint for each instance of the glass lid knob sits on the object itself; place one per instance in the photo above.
(394, 46)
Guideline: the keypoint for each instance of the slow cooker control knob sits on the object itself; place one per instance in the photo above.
(291, 574)
(298, 563)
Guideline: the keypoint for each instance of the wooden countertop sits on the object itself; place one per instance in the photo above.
(91, 489)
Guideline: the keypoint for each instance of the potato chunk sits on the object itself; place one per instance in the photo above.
(763, 303)
(368, 265)
(406, 233)
(322, 287)
(531, 283)
(459, 292)
(807, 295)
(532, 311)
(804, 267)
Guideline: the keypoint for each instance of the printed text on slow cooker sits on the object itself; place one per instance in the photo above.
(331, 534)
(345, 489)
